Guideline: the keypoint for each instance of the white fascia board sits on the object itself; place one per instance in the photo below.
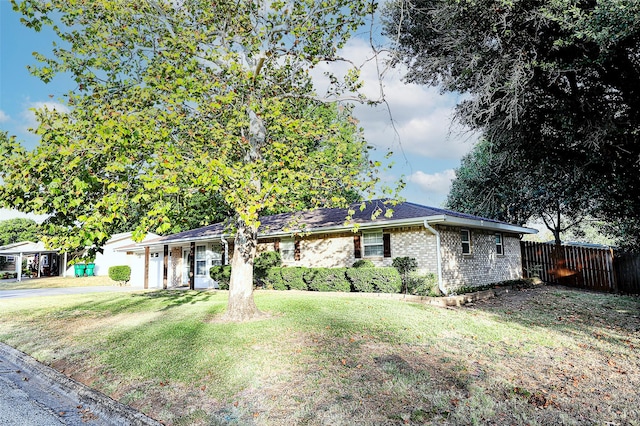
(482, 224)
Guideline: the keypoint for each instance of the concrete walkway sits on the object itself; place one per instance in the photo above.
(32, 394)
(37, 292)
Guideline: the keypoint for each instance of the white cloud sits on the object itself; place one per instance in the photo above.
(437, 183)
(415, 119)
(3, 117)
(29, 115)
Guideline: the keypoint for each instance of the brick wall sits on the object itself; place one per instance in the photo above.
(483, 266)
(336, 250)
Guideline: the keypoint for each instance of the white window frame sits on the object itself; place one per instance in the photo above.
(466, 242)
(499, 244)
(10, 258)
(288, 249)
(201, 260)
(377, 244)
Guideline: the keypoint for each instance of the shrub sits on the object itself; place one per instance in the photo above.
(121, 274)
(265, 261)
(379, 280)
(327, 279)
(423, 285)
(405, 265)
(293, 278)
(222, 275)
(273, 279)
(363, 263)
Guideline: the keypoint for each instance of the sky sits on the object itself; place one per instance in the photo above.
(415, 124)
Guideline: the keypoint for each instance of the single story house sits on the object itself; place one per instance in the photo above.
(462, 249)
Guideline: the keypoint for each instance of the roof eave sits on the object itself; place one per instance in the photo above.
(479, 223)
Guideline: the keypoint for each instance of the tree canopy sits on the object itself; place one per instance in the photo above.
(550, 82)
(17, 230)
(191, 101)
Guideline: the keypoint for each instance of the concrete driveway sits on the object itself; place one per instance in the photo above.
(38, 292)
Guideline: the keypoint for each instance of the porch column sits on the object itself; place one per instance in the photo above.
(19, 267)
(192, 266)
(64, 266)
(165, 268)
(146, 267)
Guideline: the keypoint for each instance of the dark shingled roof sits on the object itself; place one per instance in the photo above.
(321, 218)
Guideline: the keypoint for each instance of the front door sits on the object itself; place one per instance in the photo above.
(186, 265)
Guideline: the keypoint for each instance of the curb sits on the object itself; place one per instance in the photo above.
(116, 412)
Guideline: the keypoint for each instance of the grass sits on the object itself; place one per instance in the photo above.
(538, 356)
(56, 282)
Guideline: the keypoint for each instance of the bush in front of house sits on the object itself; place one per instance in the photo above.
(405, 265)
(120, 274)
(272, 279)
(293, 278)
(363, 263)
(262, 264)
(374, 280)
(221, 274)
(327, 279)
(423, 284)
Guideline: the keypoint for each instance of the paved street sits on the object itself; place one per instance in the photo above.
(32, 394)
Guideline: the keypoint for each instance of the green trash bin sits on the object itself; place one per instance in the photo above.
(79, 269)
(90, 267)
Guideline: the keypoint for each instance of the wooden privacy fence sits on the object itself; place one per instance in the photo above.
(599, 269)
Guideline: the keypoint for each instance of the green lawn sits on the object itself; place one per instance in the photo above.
(540, 356)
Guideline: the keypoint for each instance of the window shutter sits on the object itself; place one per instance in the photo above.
(296, 250)
(223, 259)
(357, 249)
(386, 244)
(276, 245)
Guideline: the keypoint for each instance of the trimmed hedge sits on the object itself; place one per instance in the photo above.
(293, 278)
(374, 280)
(221, 274)
(121, 274)
(273, 279)
(327, 279)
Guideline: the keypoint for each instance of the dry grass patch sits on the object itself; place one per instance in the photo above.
(56, 282)
(541, 356)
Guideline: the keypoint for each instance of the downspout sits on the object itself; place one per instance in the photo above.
(438, 256)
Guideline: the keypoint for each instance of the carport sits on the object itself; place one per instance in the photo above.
(44, 262)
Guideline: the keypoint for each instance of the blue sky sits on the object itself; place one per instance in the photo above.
(425, 144)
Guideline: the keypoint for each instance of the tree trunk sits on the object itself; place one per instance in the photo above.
(241, 305)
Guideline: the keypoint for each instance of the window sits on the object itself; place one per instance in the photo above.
(465, 236)
(373, 244)
(287, 249)
(216, 255)
(499, 247)
(201, 260)
(10, 258)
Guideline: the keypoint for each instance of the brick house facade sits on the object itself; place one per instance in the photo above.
(463, 250)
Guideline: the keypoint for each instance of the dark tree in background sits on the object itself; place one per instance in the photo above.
(554, 88)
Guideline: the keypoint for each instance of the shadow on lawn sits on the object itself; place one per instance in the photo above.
(174, 298)
(579, 313)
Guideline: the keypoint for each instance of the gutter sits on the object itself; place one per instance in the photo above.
(438, 256)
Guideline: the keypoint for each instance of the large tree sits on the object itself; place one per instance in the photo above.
(180, 98)
(16, 230)
(544, 80)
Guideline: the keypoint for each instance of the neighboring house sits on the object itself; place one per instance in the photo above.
(463, 250)
(114, 255)
(39, 260)
(42, 262)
